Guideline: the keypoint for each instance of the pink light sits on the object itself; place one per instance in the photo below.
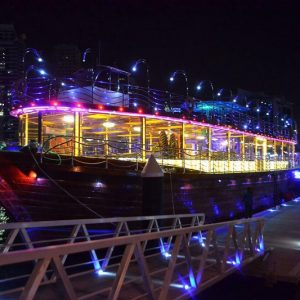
(78, 105)
(100, 107)
(54, 103)
(32, 104)
(140, 113)
(121, 108)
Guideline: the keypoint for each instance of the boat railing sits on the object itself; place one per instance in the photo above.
(96, 90)
(181, 260)
(133, 155)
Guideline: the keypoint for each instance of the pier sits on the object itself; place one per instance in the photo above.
(171, 257)
(155, 257)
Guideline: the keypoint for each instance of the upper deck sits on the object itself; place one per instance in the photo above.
(85, 115)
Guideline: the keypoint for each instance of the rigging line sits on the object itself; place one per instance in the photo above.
(64, 190)
(172, 196)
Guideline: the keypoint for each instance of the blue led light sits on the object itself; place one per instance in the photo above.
(198, 87)
(166, 254)
(42, 72)
(216, 210)
(192, 281)
(261, 245)
(104, 273)
(100, 272)
(296, 174)
(237, 258)
(97, 266)
(133, 69)
(272, 210)
(171, 78)
(40, 59)
(200, 238)
(99, 184)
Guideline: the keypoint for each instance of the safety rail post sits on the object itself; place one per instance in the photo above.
(137, 162)
(183, 161)
(106, 153)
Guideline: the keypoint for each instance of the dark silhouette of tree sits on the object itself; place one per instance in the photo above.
(173, 146)
(163, 143)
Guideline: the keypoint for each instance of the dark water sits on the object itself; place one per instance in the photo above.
(241, 287)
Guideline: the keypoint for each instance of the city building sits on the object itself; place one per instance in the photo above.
(11, 66)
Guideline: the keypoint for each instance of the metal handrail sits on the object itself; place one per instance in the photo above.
(149, 98)
(225, 247)
(113, 220)
(163, 154)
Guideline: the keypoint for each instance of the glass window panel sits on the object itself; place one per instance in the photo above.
(58, 131)
(32, 127)
(115, 135)
(163, 138)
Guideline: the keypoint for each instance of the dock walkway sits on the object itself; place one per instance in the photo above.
(162, 263)
(282, 238)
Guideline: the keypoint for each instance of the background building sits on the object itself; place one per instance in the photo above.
(11, 66)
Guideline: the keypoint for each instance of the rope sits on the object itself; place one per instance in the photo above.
(129, 166)
(89, 163)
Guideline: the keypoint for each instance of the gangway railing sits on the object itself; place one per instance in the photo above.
(191, 263)
(32, 234)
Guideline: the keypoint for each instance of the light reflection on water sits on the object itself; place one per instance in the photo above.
(3, 219)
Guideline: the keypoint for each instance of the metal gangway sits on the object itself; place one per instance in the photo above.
(152, 257)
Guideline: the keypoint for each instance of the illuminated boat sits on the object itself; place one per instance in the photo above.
(105, 130)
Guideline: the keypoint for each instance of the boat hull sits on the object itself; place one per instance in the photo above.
(47, 191)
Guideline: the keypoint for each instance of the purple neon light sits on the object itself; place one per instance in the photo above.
(26, 110)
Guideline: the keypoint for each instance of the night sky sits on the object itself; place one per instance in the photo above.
(252, 45)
